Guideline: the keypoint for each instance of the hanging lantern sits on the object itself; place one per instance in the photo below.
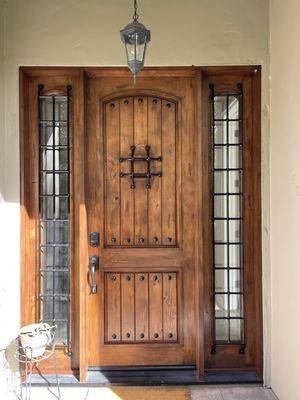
(135, 36)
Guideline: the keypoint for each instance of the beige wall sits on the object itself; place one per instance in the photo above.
(285, 197)
(76, 32)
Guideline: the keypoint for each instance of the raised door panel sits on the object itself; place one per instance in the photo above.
(141, 307)
(140, 153)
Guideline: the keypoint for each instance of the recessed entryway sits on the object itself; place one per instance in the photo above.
(141, 218)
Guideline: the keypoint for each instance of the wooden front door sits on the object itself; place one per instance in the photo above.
(141, 199)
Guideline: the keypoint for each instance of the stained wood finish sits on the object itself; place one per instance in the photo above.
(29, 140)
(141, 307)
(228, 357)
(148, 233)
(182, 304)
(140, 216)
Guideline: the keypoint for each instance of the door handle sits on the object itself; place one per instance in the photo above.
(93, 267)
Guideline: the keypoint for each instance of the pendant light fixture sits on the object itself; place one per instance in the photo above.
(135, 37)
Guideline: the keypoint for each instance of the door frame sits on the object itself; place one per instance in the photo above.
(77, 76)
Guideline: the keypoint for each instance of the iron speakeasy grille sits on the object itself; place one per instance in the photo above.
(54, 213)
(227, 213)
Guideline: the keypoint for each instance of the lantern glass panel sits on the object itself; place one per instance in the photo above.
(135, 51)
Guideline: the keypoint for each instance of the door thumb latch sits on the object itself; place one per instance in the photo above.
(93, 267)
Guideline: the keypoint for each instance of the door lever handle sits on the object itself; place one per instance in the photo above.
(93, 266)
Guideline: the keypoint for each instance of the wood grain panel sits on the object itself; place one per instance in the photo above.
(154, 194)
(127, 194)
(113, 307)
(170, 306)
(169, 173)
(112, 203)
(141, 307)
(127, 307)
(140, 193)
(155, 307)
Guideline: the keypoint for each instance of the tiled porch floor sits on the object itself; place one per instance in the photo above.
(228, 392)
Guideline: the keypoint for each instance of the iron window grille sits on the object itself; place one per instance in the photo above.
(227, 217)
(54, 267)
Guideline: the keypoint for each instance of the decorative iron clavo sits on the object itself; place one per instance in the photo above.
(138, 175)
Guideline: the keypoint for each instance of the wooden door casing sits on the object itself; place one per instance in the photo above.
(160, 274)
(189, 259)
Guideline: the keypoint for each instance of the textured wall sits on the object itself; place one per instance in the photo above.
(285, 197)
(76, 32)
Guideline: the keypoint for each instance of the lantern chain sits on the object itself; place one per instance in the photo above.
(135, 15)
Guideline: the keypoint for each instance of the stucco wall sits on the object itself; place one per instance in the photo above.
(76, 32)
(285, 197)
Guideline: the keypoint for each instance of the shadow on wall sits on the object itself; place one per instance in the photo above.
(10, 372)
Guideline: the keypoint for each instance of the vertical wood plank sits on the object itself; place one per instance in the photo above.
(127, 307)
(141, 307)
(170, 307)
(127, 194)
(168, 169)
(113, 307)
(154, 195)
(155, 307)
(140, 192)
(112, 203)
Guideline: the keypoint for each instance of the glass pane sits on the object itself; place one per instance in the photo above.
(46, 257)
(61, 208)
(220, 255)
(62, 232)
(63, 181)
(221, 280)
(62, 131)
(234, 157)
(235, 256)
(46, 183)
(220, 182)
(233, 107)
(220, 157)
(221, 326)
(235, 206)
(61, 160)
(220, 206)
(220, 132)
(54, 238)
(46, 159)
(46, 233)
(236, 329)
(61, 283)
(235, 280)
(235, 305)
(234, 231)
(61, 308)
(227, 147)
(220, 107)
(235, 181)
(47, 307)
(46, 108)
(47, 210)
(61, 108)
(61, 332)
(221, 305)
(234, 132)
(220, 231)
(61, 257)
(46, 134)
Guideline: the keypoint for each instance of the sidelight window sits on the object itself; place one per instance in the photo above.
(54, 213)
(227, 212)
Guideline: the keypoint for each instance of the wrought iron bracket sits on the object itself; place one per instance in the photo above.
(140, 175)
